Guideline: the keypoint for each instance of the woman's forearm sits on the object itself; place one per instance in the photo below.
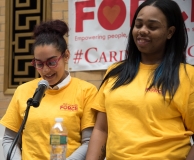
(97, 144)
(80, 153)
(190, 155)
(7, 142)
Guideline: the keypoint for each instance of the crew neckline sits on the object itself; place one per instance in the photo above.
(148, 66)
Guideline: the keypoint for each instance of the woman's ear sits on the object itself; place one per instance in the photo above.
(171, 31)
(66, 55)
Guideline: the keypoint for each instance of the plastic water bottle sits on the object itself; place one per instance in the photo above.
(58, 140)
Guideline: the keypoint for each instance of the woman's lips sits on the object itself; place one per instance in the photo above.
(142, 42)
(49, 76)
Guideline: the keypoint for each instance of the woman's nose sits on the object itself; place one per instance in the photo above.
(143, 30)
(45, 68)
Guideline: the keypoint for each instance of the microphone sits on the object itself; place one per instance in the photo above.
(39, 93)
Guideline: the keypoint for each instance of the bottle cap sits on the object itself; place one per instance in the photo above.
(59, 119)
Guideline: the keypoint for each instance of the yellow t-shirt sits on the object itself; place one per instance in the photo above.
(73, 102)
(141, 125)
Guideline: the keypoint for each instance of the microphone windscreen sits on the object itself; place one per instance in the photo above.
(45, 82)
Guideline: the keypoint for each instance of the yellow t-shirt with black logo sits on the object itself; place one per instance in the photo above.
(141, 125)
(72, 102)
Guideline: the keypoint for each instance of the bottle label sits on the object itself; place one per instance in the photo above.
(58, 139)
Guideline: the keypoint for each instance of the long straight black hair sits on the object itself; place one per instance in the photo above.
(166, 75)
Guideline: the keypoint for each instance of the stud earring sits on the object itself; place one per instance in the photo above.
(169, 37)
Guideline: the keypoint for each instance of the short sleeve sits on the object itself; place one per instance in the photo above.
(100, 97)
(12, 118)
(189, 106)
(89, 115)
(189, 115)
(99, 104)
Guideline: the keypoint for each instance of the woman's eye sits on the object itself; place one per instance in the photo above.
(138, 25)
(152, 27)
(51, 63)
(39, 64)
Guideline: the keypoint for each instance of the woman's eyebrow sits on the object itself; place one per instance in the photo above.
(150, 20)
(47, 58)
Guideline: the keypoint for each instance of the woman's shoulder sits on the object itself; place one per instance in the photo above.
(82, 83)
(31, 84)
(27, 88)
(187, 69)
(114, 65)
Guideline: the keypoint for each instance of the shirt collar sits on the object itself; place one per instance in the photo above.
(64, 82)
